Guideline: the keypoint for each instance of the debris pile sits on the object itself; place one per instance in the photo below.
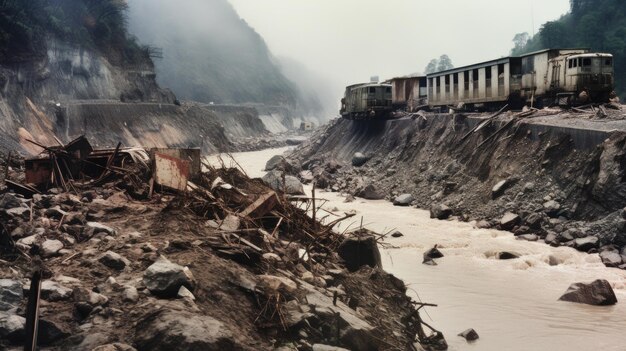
(147, 251)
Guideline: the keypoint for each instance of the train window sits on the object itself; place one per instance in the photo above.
(586, 62)
(372, 90)
(500, 69)
(475, 75)
(455, 78)
(569, 63)
(528, 64)
(488, 73)
(388, 90)
(608, 62)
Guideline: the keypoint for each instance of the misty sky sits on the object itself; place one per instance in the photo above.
(350, 40)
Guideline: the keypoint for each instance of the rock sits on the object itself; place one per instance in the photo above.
(130, 294)
(528, 237)
(499, 188)
(358, 251)
(11, 294)
(274, 162)
(505, 255)
(55, 212)
(359, 159)
(397, 234)
(273, 284)
(483, 224)
(349, 198)
(440, 211)
(534, 220)
(611, 258)
(230, 223)
(551, 208)
(184, 293)
(552, 239)
(9, 200)
(403, 200)
(115, 347)
(598, 293)
(96, 299)
(100, 228)
(509, 220)
(370, 192)
(50, 332)
(432, 254)
(12, 327)
(586, 244)
(53, 291)
(322, 347)
(19, 212)
(51, 248)
(113, 260)
(295, 140)
(469, 334)
(164, 278)
(291, 185)
(166, 330)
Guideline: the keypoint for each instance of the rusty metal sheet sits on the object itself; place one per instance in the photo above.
(171, 172)
(191, 155)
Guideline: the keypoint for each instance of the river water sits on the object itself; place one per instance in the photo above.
(512, 304)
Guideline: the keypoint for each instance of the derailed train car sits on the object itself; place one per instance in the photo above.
(543, 78)
(562, 77)
(366, 101)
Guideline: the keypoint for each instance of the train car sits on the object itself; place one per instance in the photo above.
(563, 76)
(367, 101)
(409, 93)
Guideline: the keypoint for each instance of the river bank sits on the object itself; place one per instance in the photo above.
(512, 304)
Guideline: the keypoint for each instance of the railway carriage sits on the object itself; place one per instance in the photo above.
(367, 101)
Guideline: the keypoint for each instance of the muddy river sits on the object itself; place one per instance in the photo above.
(511, 304)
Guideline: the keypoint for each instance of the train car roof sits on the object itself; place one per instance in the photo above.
(500, 60)
(363, 85)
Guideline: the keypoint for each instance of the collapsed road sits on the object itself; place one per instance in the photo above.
(124, 249)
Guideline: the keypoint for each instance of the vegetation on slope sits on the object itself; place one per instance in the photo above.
(98, 24)
(596, 24)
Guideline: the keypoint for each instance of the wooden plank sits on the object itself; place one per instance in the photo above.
(264, 204)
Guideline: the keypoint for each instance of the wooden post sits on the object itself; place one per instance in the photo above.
(32, 312)
(313, 200)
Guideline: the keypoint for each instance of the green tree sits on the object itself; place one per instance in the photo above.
(431, 67)
(445, 63)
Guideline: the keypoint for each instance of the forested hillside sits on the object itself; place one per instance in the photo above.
(25, 26)
(596, 24)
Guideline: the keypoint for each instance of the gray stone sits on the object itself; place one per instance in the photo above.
(551, 208)
(611, 258)
(586, 244)
(551, 239)
(370, 192)
(506, 255)
(130, 294)
(53, 291)
(528, 237)
(166, 330)
(432, 254)
(51, 248)
(274, 162)
(534, 220)
(469, 334)
(184, 293)
(322, 347)
(403, 200)
(9, 200)
(11, 326)
(100, 228)
(598, 293)
(113, 260)
(114, 347)
(55, 212)
(290, 186)
(499, 188)
(440, 211)
(164, 278)
(509, 220)
(357, 251)
(19, 212)
(359, 159)
(11, 294)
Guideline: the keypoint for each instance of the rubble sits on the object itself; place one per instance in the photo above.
(128, 258)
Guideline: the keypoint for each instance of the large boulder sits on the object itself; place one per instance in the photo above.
(11, 294)
(509, 220)
(53, 291)
(164, 278)
(274, 162)
(359, 250)
(440, 211)
(11, 327)
(370, 192)
(166, 330)
(611, 258)
(598, 293)
(359, 159)
(469, 334)
(586, 244)
(403, 200)
(291, 185)
(431, 254)
(113, 260)
(499, 188)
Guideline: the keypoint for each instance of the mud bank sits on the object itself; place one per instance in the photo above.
(560, 178)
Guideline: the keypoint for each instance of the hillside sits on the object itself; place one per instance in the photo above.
(596, 24)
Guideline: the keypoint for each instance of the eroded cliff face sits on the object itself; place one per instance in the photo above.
(73, 91)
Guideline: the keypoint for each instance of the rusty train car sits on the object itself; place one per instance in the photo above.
(562, 77)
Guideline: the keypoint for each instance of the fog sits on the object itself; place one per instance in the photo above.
(351, 40)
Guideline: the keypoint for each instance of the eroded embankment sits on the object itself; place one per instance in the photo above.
(564, 185)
